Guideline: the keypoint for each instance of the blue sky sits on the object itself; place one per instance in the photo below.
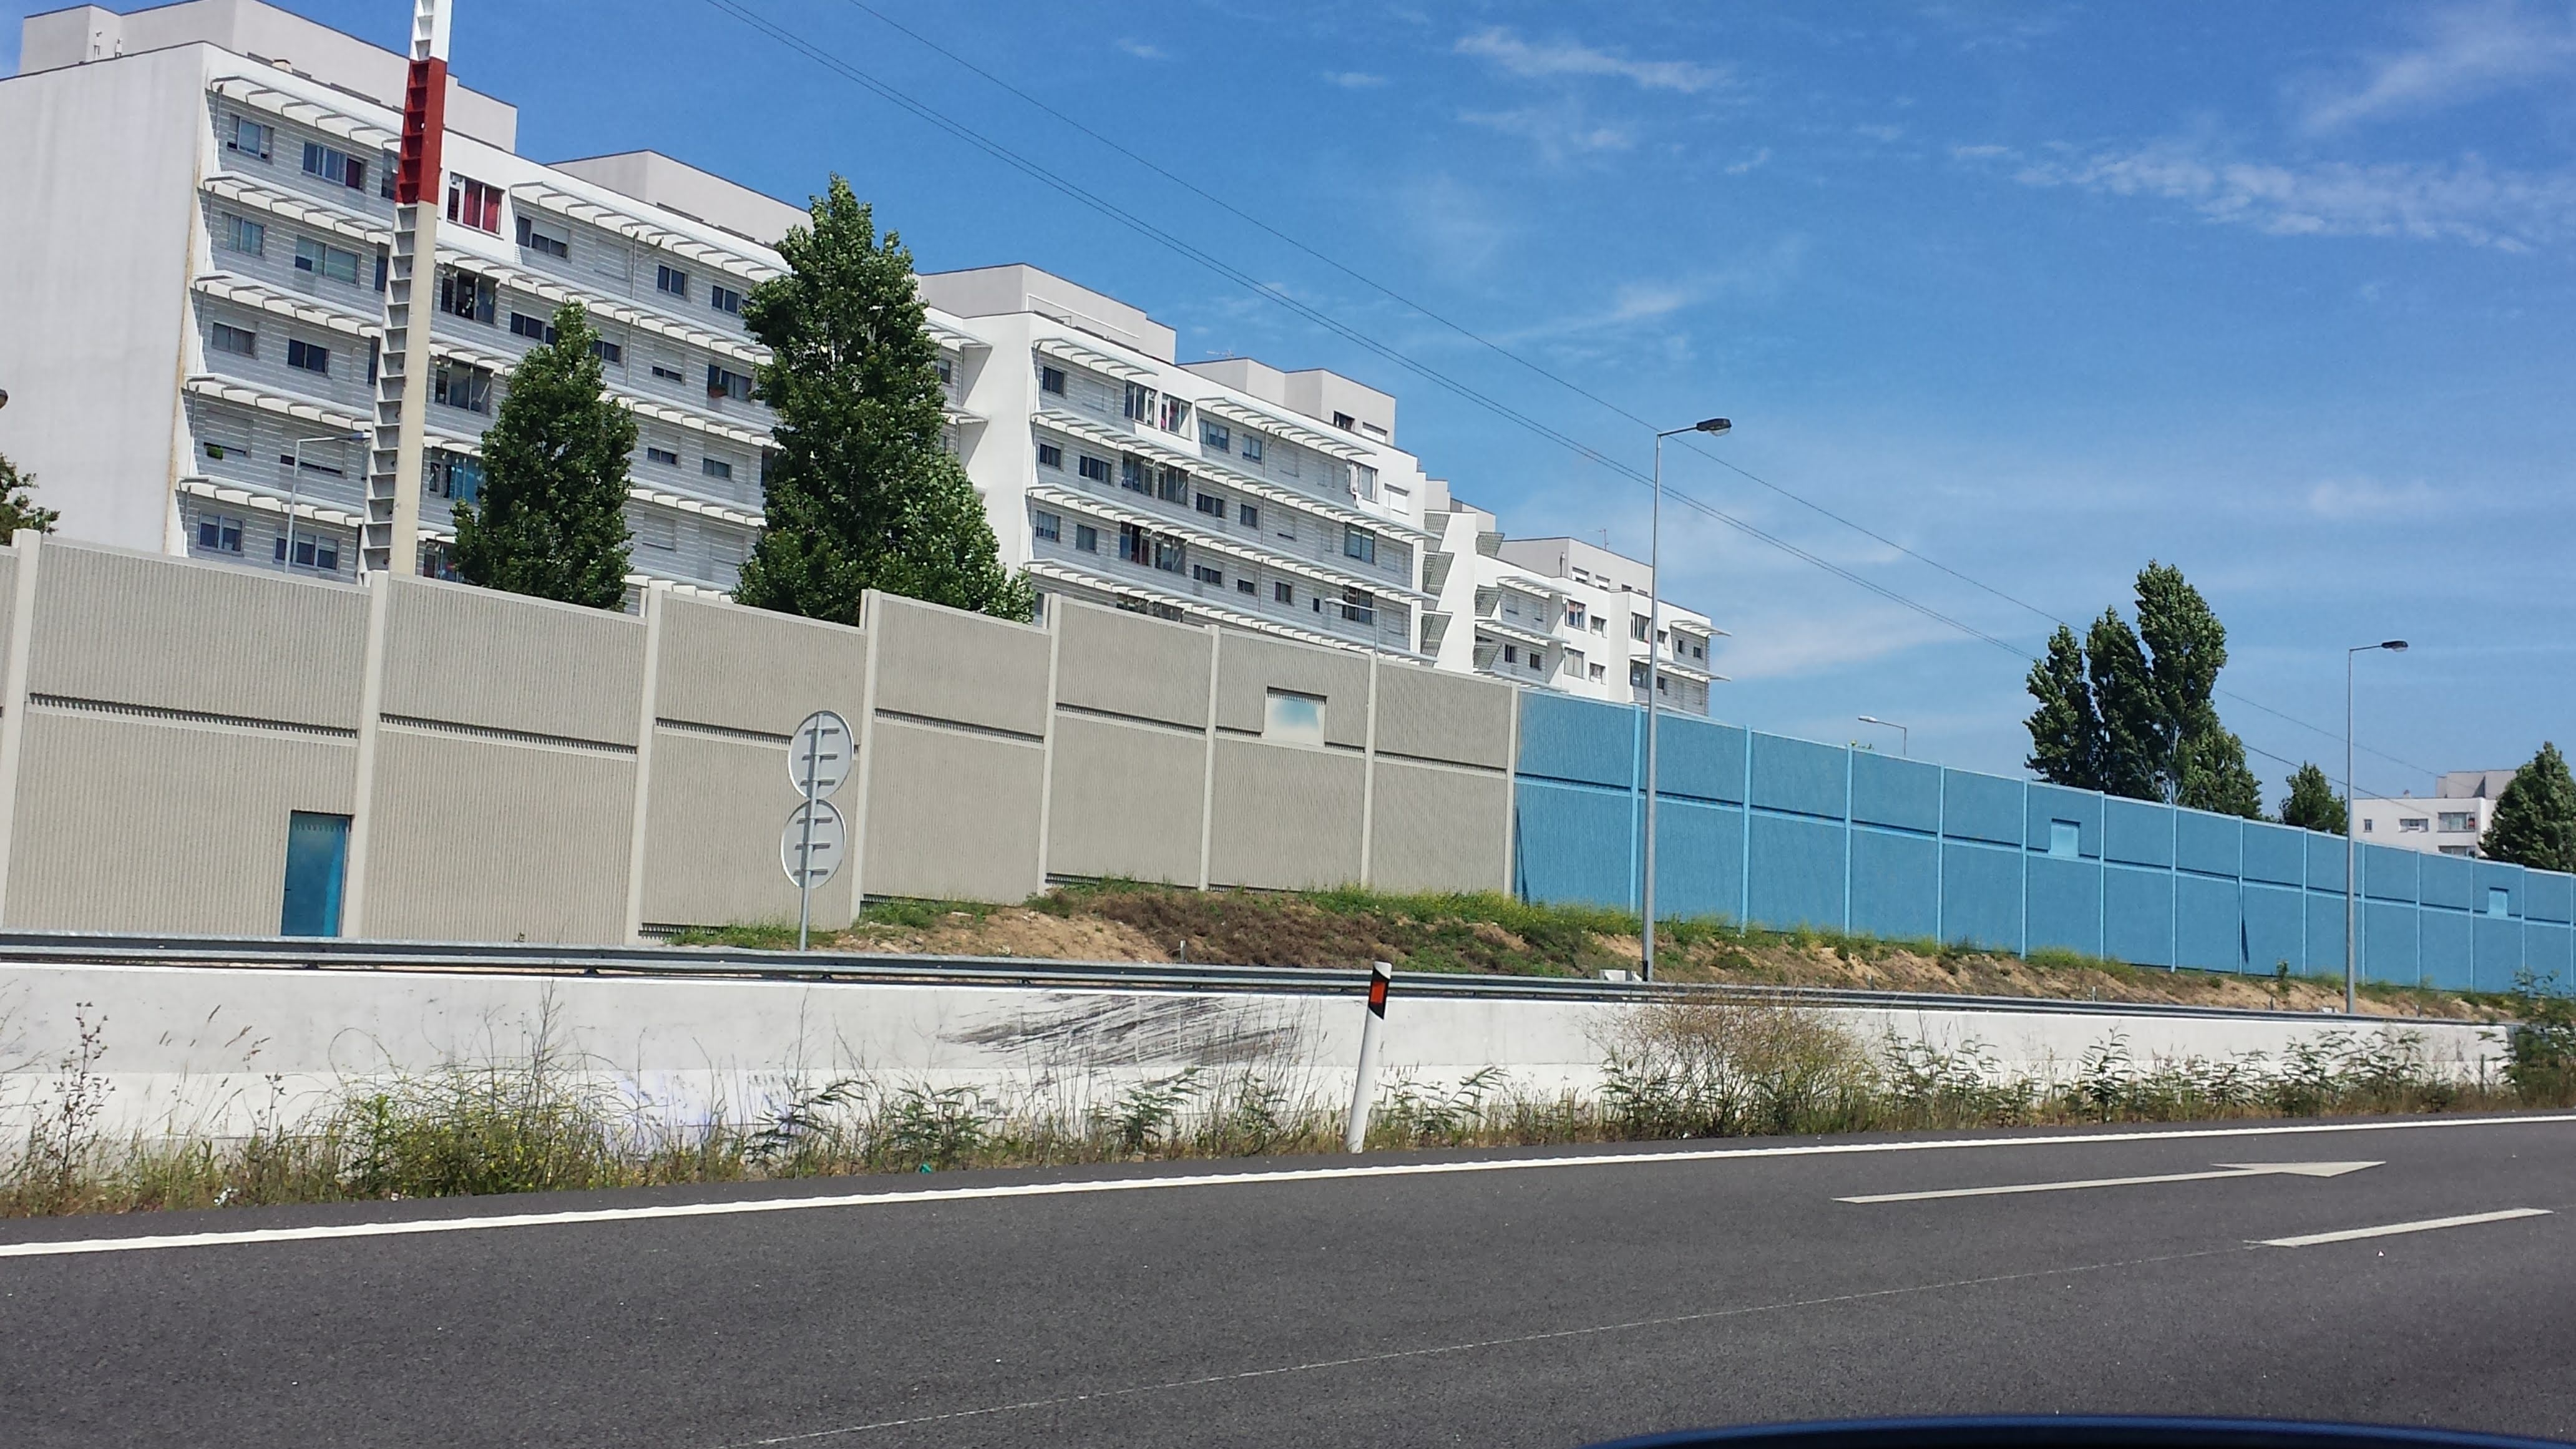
(2276, 293)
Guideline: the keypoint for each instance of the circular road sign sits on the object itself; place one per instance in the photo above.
(830, 838)
(822, 744)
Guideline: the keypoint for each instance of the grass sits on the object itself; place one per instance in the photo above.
(545, 1121)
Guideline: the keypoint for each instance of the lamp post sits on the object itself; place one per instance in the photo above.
(295, 484)
(2351, 830)
(1904, 736)
(1654, 674)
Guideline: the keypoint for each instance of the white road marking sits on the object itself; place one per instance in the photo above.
(2426, 1225)
(408, 1227)
(2226, 1170)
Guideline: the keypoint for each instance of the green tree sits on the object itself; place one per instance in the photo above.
(2535, 817)
(551, 521)
(2312, 803)
(17, 508)
(860, 493)
(2129, 711)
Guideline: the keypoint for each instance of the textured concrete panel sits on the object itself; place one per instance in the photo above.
(472, 656)
(1286, 818)
(1457, 718)
(952, 816)
(1427, 822)
(479, 840)
(946, 665)
(175, 634)
(1122, 663)
(1126, 801)
(1248, 668)
(712, 830)
(750, 669)
(140, 825)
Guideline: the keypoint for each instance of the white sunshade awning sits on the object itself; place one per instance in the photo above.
(300, 210)
(739, 264)
(1200, 537)
(1076, 425)
(295, 108)
(1093, 358)
(1305, 434)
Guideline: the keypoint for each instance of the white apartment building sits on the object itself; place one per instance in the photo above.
(189, 380)
(2450, 821)
(1558, 613)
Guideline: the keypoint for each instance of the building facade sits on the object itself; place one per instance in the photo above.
(2451, 821)
(1560, 614)
(208, 404)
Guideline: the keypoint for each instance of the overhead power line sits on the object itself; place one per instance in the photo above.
(1084, 196)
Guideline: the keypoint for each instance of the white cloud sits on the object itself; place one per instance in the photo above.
(2348, 498)
(1455, 224)
(1535, 60)
(1143, 51)
(1559, 131)
(1879, 133)
(2467, 201)
(1353, 80)
(2471, 51)
(1753, 162)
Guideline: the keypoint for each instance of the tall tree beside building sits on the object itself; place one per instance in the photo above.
(551, 521)
(18, 505)
(2312, 803)
(860, 495)
(2129, 712)
(2535, 817)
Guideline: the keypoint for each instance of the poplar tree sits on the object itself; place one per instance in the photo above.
(2312, 803)
(17, 507)
(860, 494)
(551, 521)
(2535, 817)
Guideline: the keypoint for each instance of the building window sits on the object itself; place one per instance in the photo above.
(458, 385)
(1637, 627)
(250, 138)
(727, 300)
(663, 456)
(1205, 575)
(606, 351)
(1212, 505)
(1176, 415)
(664, 372)
(656, 531)
(471, 203)
(322, 259)
(536, 329)
(2411, 824)
(1636, 676)
(1511, 654)
(1216, 435)
(1047, 526)
(2456, 820)
(453, 475)
(334, 166)
(1364, 481)
(1574, 616)
(544, 236)
(1345, 422)
(1360, 544)
(1140, 403)
(1283, 593)
(1134, 476)
(1050, 456)
(1172, 485)
(1598, 672)
(309, 356)
(1095, 469)
(947, 369)
(1289, 718)
(1246, 586)
(671, 280)
(310, 553)
(1252, 446)
(463, 294)
(239, 341)
(716, 468)
(317, 867)
(1359, 606)
(218, 534)
(724, 382)
(1248, 515)
(1086, 538)
(1051, 379)
(1144, 546)
(244, 235)
(2367, 826)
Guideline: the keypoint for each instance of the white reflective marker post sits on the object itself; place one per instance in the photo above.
(1372, 1030)
(818, 760)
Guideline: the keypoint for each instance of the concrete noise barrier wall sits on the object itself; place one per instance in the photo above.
(176, 736)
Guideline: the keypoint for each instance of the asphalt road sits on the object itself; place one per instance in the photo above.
(1529, 1306)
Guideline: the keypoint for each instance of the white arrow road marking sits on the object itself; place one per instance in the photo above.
(2224, 1170)
(2426, 1225)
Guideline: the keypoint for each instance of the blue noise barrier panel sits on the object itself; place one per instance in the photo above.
(2499, 948)
(1797, 875)
(1801, 778)
(2137, 833)
(1699, 859)
(2325, 863)
(2209, 935)
(2047, 806)
(2275, 855)
(2325, 932)
(1574, 843)
(2137, 915)
(1902, 794)
(2065, 905)
(1981, 807)
(2446, 949)
(2549, 954)
(2388, 945)
(2389, 874)
(1981, 893)
(1580, 740)
(1701, 760)
(1896, 885)
(2208, 844)
(2275, 929)
(2446, 880)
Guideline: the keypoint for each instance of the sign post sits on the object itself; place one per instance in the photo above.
(1372, 1027)
(818, 760)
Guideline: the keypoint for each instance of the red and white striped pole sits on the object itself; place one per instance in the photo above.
(1372, 1030)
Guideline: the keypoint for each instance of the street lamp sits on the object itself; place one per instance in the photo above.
(1654, 674)
(1904, 736)
(2351, 828)
(295, 483)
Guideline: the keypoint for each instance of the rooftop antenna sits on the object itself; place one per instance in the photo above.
(389, 538)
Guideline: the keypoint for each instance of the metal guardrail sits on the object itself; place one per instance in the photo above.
(858, 967)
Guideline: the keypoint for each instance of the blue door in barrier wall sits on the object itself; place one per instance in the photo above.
(317, 864)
